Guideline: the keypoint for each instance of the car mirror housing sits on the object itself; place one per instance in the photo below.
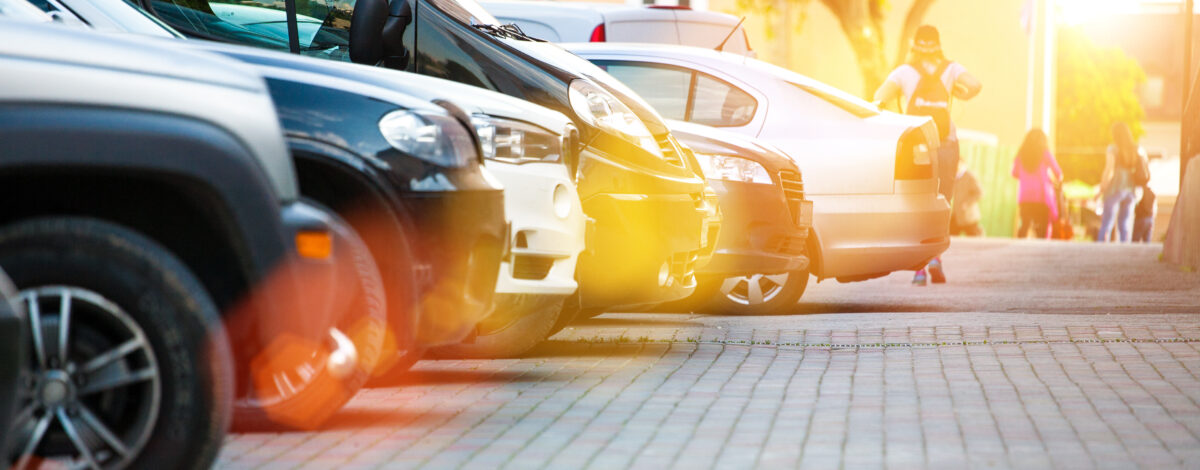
(377, 33)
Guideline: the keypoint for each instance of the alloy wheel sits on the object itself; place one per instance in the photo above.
(754, 289)
(93, 396)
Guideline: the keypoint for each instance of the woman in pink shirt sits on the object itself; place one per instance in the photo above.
(1036, 196)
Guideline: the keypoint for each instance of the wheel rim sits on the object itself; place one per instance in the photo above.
(755, 289)
(94, 393)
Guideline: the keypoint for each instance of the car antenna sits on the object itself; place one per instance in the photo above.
(721, 46)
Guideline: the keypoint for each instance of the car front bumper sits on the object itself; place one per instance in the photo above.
(760, 233)
(865, 236)
(547, 229)
(646, 239)
(461, 238)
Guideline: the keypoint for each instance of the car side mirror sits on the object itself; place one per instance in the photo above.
(377, 33)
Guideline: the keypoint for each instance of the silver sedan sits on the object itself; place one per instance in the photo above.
(870, 173)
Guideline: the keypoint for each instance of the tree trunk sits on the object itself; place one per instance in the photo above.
(862, 22)
(912, 21)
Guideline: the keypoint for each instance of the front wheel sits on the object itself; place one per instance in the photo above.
(757, 294)
(295, 385)
(130, 365)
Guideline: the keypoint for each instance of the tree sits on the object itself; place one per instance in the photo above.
(1096, 87)
(862, 23)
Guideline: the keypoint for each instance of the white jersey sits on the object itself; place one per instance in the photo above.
(907, 77)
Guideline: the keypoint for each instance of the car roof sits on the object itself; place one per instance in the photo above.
(709, 56)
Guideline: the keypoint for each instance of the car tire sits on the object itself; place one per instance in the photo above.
(129, 296)
(756, 294)
(533, 318)
(363, 322)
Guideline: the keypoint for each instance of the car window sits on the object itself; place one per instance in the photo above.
(719, 104)
(256, 23)
(324, 27)
(664, 88)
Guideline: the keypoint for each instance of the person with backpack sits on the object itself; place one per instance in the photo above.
(929, 82)
(1125, 170)
(1037, 199)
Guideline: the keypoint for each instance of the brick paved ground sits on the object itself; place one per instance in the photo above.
(1073, 387)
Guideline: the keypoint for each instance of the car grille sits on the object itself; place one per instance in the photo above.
(669, 150)
(793, 191)
(532, 267)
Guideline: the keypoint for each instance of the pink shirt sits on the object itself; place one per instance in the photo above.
(1036, 186)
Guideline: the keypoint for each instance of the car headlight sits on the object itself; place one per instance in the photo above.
(601, 109)
(516, 142)
(437, 139)
(731, 168)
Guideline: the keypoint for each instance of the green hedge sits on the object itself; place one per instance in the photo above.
(992, 165)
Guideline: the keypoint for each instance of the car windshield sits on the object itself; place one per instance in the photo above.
(468, 12)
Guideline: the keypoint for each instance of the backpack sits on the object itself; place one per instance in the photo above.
(931, 98)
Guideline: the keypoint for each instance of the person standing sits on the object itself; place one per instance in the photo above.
(1125, 170)
(965, 215)
(929, 82)
(1143, 216)
(1037, 199)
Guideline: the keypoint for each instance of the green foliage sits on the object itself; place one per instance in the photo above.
(1096, 87)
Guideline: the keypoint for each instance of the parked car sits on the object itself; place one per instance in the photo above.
(14, 371)
(760, 266)
(648, 206)
(528, 147)
(869, 173)
(174, 227)
(617, 22)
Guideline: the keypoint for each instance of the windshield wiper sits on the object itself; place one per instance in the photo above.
(511, 31)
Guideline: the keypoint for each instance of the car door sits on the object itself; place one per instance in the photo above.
(689, 92)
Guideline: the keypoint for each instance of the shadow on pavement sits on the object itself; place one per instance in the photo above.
(423, 376)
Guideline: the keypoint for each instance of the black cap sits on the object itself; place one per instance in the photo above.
(927, 40)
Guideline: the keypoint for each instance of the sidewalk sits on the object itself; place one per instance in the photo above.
(904, 387)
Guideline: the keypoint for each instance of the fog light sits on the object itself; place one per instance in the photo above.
(664, 274)
(562, 201)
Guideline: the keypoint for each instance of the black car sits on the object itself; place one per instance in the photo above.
(760, 265)
(648, 206)
(356, 141)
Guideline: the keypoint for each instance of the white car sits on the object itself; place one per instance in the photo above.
(608, 22)
(871, 174)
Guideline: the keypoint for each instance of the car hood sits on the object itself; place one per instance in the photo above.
(404, 89)
(55, 42)
(568, 66)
